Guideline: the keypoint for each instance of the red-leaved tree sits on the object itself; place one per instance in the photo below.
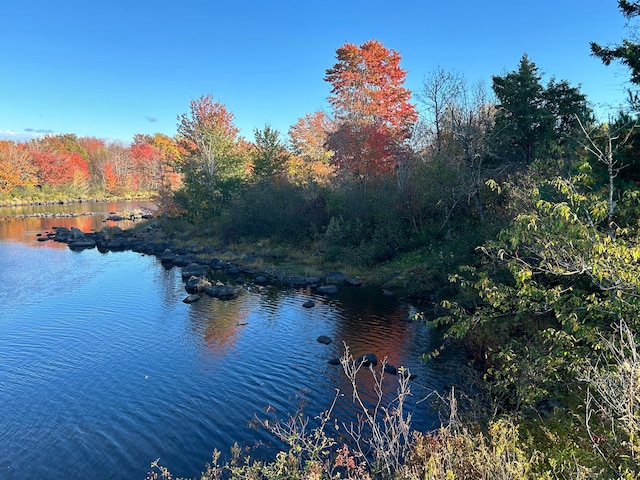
(371, 110)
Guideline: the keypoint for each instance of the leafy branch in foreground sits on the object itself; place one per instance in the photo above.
(549, 284)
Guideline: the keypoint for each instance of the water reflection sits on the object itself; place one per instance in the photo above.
(26, 229)
(105, 369)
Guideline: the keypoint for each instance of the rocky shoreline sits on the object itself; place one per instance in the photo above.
(68, 201)
(197, 269)
(196, 266)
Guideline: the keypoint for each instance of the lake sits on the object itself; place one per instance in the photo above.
(103, 368)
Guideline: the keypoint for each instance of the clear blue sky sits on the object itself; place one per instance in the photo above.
(114, 68)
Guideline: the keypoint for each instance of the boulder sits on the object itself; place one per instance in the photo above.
(390, 369)
(337, 278)
(260, 280)
(309, 304)
(185, 260)
(324, 339)
(197, 284)
(167, 256)
(194, 270)
(369, 359)
(75, 234)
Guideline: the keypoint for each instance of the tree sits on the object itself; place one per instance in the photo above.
(531, 120)
(371, 109)
(453, 140)
(59, 161)
(308, 142)
(628, 52)
(214, 164)
(16, 168)
(269, 155)
(440, 91)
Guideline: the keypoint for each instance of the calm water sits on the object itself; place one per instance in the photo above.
(103, 369)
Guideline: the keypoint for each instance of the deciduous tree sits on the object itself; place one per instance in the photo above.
(371, 109)
(311, 157)
(16, 168)
(215, 163)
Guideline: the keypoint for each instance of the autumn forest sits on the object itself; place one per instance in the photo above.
(508, 207)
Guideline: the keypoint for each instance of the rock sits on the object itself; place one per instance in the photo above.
(75, 234)
(223, 292)
(192, 298)
(327, 289)
(309, 304)
(185, 260)
(298, 282)
(82, 244)
(335, 277)
(194, 270)
(353, 282)
(197, 284)
(406, 374)
(324, 339)
(260, 280)
(369, 359)
(387, 293)
(167, 256)
(334, 361)
(390, 369)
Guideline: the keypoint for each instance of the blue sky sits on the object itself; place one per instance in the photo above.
(117, 68)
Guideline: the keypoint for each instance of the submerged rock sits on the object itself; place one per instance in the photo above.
(223, 292)
(327, 289)
(192, 298)
(324, 339)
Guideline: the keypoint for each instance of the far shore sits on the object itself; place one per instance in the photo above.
(27, 203)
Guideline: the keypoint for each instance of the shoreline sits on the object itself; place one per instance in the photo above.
(70, 201)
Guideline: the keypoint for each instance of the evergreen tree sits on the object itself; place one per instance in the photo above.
(628, 52)
(533, 122)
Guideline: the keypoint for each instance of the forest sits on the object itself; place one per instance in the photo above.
(511, 208)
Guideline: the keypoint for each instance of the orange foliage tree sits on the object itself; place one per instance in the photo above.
(59, 169)
(371, 109)
(311, 157)
(16, 169)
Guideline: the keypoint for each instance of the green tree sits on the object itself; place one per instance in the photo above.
(216, 163)
(269, 155)
(550, 284)
(532, 121)
(627, 52)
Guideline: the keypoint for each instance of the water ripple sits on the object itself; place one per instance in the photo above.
(107, 369)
